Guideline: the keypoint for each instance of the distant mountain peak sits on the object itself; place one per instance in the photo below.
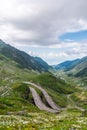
(67, 64)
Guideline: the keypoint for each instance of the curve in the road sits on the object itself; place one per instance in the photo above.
(39, 103)
(47, 97)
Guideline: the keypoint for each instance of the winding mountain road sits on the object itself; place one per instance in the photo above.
(39, 103)
(47, 97)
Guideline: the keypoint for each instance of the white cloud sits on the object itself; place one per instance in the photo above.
(57, 54)
(41, 21)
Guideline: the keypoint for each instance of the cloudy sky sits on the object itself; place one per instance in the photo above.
(55, 30)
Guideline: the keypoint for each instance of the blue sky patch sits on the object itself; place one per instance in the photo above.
(74, 36)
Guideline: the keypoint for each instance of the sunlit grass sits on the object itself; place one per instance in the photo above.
(66, 120)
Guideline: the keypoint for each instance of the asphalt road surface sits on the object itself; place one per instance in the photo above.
(47, 97)
(39, 103)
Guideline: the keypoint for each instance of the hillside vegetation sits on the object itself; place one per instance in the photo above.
(47, 80)
(17, 108)
(14, 93)
(22, 59)
(76, 70)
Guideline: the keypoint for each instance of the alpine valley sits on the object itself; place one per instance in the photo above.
(37, 96)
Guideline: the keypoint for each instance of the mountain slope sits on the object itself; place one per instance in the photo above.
(49, 81)
(23, 59)
(75, 69)
(80, 69)
(14, 71)
(67, 65)
(42, 63)
(14, 93)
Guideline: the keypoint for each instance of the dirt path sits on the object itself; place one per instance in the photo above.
(72, 104)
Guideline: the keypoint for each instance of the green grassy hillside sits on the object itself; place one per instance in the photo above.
(80, 98)
(76, 69)
(22, 59)
(17, 109)
(47, 80)
(14, 94)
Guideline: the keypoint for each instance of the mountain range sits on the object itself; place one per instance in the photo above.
(17, 68)
(66, 65)
(22, 108)
(76, 68)
(23, 59)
